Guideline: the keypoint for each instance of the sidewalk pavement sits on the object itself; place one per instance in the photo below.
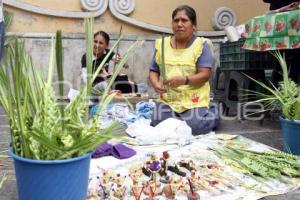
(267, 132)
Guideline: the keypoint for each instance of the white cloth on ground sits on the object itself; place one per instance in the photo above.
(168, 131)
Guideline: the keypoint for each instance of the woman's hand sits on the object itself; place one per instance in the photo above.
(118, 58)
(175, 81)
(159, 88)
(196, 80)
(126, 66)
(103, 73)
(156, 83)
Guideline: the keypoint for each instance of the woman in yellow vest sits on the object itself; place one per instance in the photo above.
(180, 75)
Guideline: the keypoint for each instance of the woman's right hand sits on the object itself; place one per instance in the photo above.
(156, 82)
(117, 58)
(159, 88)
(103, 73)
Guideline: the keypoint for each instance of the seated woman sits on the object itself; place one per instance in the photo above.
(101, 42)
(188, 61)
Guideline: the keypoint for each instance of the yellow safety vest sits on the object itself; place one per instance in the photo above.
(182, 62)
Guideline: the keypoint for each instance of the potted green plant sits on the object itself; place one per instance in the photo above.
(51, 143)
(286, 98)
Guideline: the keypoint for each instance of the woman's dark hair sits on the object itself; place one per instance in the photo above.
(190, 12)
(104, 35)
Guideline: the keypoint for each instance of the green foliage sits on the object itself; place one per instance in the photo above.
(266, 165)
(162, 64)
(59, 65)
(41, 127)
(286, 95)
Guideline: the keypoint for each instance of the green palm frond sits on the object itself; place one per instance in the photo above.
(286, 95)
(41, 128)
(162, 64)
(88, 25)
(59, 67)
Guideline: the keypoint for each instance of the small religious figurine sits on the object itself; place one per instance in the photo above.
(137, 187)
(189, 165)
(174, 168)
(164, 163)
(118, 191)
(152, 189)
(154, 167)
(168, 191)
(146, 169)
(103, 192)
(106, 183)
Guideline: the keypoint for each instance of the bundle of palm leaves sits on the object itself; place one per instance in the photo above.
(42, 127)
(285, 97)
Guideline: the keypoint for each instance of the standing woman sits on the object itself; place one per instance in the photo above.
(188, 61)
(100, 50)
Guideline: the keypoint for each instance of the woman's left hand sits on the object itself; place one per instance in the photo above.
(175, 81)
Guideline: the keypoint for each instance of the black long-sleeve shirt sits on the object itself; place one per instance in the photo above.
(96, 63)
(275, 4)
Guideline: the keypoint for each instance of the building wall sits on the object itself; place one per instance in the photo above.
(37, 29)
(74, 47)
(156, 12)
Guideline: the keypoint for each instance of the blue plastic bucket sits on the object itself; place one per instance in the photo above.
(52, 179)
(291, 135)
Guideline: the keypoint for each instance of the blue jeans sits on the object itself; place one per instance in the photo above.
(201, 120)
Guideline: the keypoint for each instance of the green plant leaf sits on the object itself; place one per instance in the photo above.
(287, 94)
(162, 65)
(59, 65)
(40, 127)
(88, 24)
